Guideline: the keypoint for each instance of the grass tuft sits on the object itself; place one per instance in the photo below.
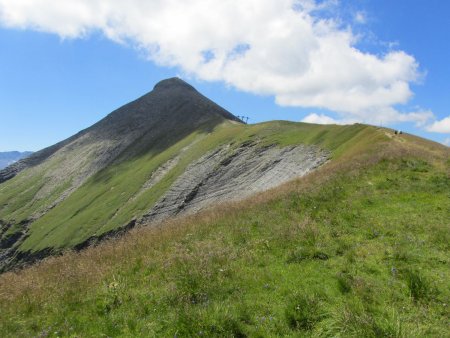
(304, 311)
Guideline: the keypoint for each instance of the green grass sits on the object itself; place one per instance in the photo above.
(111, 198)
(358, 249)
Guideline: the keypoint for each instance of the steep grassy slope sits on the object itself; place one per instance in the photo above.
(114, 196)
(358, 248)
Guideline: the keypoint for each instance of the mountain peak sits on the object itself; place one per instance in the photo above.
(173, 109)
(173, 83)
(186, 100)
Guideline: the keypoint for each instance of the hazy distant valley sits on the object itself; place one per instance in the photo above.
(9, 157)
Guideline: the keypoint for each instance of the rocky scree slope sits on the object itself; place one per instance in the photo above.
(222, 175)
(171, 152)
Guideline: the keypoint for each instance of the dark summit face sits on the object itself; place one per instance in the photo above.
(179, 92)
(173, 108)
(173, 83)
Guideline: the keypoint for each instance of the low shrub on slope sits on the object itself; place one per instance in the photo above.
(358, 248)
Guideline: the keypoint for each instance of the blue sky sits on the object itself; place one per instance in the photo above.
(58, 76)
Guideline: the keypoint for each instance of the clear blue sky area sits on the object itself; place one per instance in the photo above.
(50, 88)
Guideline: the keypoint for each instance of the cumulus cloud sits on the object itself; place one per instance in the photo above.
(440, 126)
(360, 17)
(321, 119)
(283, 48)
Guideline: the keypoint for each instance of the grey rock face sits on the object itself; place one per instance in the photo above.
(233, 174)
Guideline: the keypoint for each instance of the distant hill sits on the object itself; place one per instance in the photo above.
(9, 157)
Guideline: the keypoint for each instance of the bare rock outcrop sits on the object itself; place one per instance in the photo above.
(234, 173)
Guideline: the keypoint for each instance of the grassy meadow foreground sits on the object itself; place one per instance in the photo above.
(358, 248)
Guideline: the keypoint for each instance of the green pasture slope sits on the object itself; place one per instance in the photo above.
(108, 200)
(359, 248)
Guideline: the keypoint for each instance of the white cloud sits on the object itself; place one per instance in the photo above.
(360, 17)
(271, 47)
(441, 126)
(320, 119)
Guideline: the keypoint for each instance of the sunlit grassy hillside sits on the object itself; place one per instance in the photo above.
(358, 248)
(113, 197)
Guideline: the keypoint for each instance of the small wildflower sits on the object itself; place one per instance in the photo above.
(113, 285)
